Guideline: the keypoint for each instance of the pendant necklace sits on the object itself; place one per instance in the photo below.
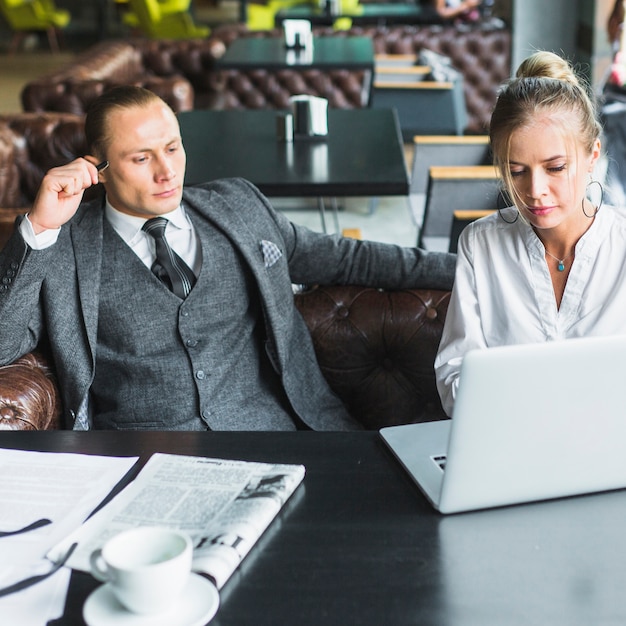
(560, 262)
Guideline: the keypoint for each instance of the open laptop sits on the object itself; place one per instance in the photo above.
(530, 422)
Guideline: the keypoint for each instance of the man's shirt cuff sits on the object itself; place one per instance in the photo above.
(43, 240)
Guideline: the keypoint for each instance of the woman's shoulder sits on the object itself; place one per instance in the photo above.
(496, 228)
(495, 221)
(610, 217)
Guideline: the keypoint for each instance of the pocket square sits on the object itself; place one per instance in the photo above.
(271, 252)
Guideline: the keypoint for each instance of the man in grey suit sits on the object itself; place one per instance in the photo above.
(195, 331)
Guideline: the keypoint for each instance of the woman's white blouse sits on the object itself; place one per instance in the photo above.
(503, 292)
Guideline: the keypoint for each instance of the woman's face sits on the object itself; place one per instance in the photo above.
(550, 172)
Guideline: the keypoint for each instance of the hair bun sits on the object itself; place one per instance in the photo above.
(547, 65)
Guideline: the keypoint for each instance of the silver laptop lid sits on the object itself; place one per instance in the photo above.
(537, 421)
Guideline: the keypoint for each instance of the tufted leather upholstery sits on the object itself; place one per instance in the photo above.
(31, 144)
(29, 399)
(34, 143)
(183, 72)
(72, 88)
(481, 54)
(376, 349)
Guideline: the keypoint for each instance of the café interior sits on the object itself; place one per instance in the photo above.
(366, 119)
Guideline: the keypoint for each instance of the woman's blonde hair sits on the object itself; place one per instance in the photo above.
(543, 83)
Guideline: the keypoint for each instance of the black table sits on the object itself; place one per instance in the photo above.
(270, 53)
(358, 544)
(362, 155)
(381, 14)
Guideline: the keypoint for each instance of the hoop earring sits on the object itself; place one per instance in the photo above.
(507, 221)
(507, 202)
(593, 182)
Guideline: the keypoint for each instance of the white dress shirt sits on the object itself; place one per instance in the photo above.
(180, 235)
(503, 293)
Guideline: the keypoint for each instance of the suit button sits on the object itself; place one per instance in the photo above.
(191, 343)
(200, 375)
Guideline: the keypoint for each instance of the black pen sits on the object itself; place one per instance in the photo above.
(102, 166)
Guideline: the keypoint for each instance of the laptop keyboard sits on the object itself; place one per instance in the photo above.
(440, 461)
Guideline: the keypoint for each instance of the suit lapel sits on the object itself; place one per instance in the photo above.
(86, 234)
(247, 241)
(232, 224)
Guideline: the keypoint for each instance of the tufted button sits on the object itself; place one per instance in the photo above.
(431, 313)
(343, 312)
(387, 364)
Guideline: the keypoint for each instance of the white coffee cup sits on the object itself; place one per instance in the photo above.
(146, 567)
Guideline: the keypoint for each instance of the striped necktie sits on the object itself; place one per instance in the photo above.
(168, 266)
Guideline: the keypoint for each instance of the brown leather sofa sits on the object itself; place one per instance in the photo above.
(376, 349)
(184, 74)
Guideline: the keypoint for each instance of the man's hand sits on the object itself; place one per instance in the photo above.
(60, 194)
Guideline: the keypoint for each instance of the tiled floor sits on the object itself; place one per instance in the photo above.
(391, 220)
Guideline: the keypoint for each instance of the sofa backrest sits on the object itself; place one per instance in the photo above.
(30, 145)
(377, 349)
(73, 87)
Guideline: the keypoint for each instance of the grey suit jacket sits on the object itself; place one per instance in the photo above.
(52, 295)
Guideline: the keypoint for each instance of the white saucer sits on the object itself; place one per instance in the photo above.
(196, 607)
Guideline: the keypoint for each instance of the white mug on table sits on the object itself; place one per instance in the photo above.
(147, 568)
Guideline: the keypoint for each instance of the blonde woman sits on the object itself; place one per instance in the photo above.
(553, 265)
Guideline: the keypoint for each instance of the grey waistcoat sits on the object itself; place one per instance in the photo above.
(197, 364)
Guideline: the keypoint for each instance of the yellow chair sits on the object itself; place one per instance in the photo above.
(27, 16)
(260, 17)
(169, 19)
(262, 14)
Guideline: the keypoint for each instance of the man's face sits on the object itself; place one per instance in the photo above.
(146, 161)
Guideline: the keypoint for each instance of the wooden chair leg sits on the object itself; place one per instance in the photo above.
(53, 41)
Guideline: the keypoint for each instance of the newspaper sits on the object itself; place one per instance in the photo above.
(224, 505)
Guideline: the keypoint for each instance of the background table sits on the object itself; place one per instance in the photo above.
(358, 544)
(270, 53)
(362, 155)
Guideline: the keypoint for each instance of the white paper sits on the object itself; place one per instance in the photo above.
(62, 487)
(38, 604)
